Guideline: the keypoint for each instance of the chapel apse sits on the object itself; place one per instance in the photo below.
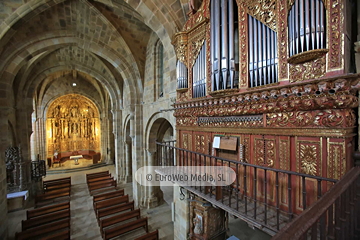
(72, 124)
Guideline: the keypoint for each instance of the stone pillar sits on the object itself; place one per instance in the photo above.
(128, 157)
(118, 151)
(357, 44)
(153, 194)
(5, 142)
(104, 139)
(182, 219)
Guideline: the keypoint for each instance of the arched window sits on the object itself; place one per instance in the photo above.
(263, 57)
(306, 26)
(160, 69)
(224, 45)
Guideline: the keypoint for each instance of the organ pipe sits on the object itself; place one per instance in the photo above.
(306, 25)
(224, 45)
(181, 75)
(199, 74)
(262, 53)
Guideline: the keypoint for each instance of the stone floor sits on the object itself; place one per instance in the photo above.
(83, 221)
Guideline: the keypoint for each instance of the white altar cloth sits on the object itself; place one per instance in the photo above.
(76, 158)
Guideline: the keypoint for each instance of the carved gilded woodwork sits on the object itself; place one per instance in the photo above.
(200, 143)
(264, 152)
(206, 222)
(196, 41)
(246, 148)
(308, 70)
(336, 159)
(282, 40)
(190, 39)
(264, 11)
(309, 156)
(250, 106)
(72, 124)
(336, 118)
(314, 132)
(308, 159)
(284, 154)
(180, 42)
(335, 35)
(243, 48)
(185, 139)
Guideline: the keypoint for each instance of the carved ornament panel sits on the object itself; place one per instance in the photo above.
(309, 70)
(340, 118)
(264, 11)
(336, 159)
(309, 157)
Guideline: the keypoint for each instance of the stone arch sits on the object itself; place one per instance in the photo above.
(128, 156)
(11, 134)
(156, 130)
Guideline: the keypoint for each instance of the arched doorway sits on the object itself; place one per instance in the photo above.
(160, 130)
(73, 128)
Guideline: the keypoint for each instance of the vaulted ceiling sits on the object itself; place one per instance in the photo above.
(103, 41)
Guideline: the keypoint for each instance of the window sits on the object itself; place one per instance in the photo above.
(199, 74)
(263, 57)
(181, 75)
(306, 26)
(224, 45)
(160, 69)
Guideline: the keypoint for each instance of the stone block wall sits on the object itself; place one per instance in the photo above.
(181, 224)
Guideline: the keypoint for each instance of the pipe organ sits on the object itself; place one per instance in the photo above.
(72, 124)
(306, 26)
(263, 57)
(181, 75)
(292, 102)
(224, 44)
(199, 74)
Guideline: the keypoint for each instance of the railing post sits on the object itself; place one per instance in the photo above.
(290, 215)
(255, 192)
(277, 201)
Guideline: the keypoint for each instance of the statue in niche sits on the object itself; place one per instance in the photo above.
(198, 225)
(74, 128)
(56, 112)
(57, 129)
(90, 112)
(74, 111)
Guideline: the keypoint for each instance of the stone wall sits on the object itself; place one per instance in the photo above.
(181, 223)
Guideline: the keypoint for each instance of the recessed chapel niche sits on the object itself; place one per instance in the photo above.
(72, 124)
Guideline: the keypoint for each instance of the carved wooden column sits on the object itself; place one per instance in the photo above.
(206, 222)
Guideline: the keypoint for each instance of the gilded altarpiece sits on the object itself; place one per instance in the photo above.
(72, 124)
